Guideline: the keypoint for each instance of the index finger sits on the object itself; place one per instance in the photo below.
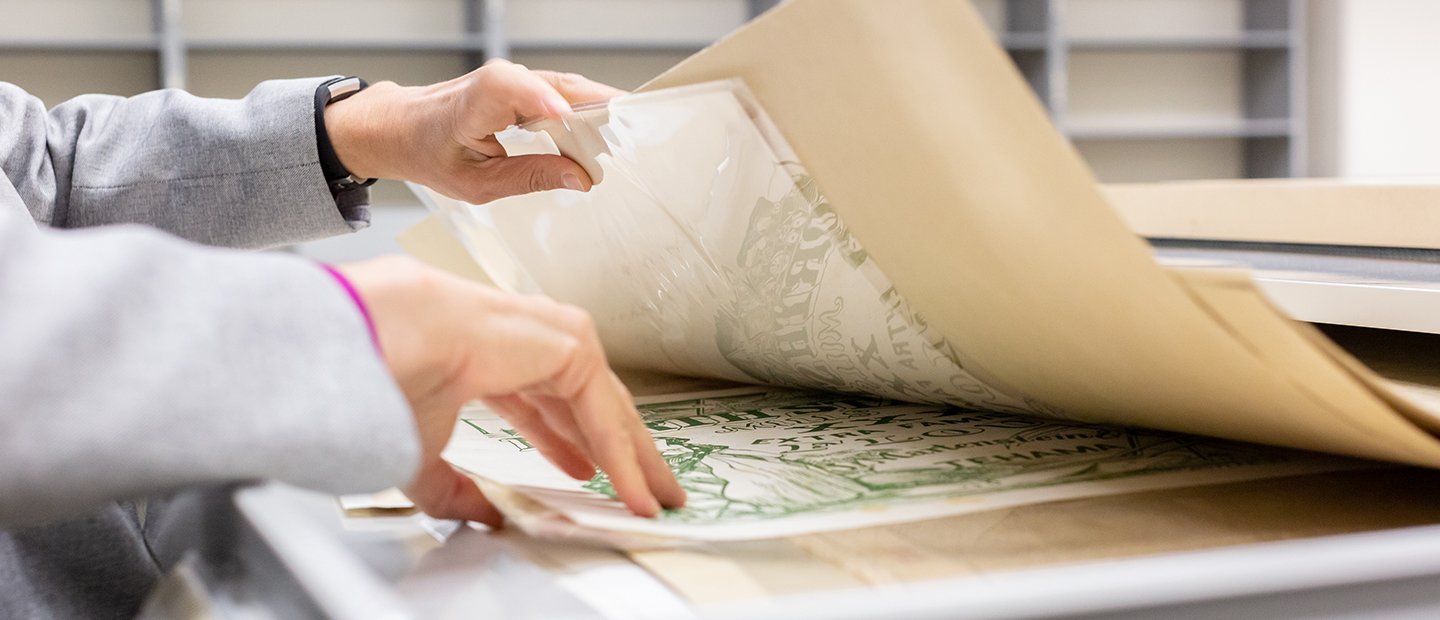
(577, 88)
(604, 417)
(510, 93)
(658, 475)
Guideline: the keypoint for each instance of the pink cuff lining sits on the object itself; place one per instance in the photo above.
(359, 303)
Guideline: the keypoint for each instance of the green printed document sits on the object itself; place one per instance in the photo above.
(861, 210)
(761, 463)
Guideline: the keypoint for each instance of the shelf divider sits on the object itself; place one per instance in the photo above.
(170, 36)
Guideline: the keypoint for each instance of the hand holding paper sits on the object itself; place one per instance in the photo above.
(539, 363)
(443, 135)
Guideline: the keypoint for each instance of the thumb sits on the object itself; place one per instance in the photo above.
(444, 493)
(509, 176)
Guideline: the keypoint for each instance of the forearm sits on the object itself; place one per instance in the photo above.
(239, 173)
(137, 364)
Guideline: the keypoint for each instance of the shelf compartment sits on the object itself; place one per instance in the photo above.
(1259, 39)
(469, 44)
(82, 46)
(1122, 161)
(1164, 130)
(541, 45)
(1024, 41)
(347, 45)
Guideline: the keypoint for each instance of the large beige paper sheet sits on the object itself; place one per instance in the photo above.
(945, 167)
(1315, 211)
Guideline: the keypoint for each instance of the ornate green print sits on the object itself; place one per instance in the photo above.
(810, 309)
(779, 453)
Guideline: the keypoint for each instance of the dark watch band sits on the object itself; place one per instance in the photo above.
(336, 176)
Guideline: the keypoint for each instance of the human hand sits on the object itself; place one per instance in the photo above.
(538, 363)
(443, 135)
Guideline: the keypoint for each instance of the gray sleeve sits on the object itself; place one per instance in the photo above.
(237, 173)
(136, 364)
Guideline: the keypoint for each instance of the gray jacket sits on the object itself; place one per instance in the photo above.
(135, 362)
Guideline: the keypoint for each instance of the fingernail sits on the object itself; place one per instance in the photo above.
(570, 181)
(557, 105)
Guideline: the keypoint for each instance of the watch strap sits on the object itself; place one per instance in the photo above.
(336, 175)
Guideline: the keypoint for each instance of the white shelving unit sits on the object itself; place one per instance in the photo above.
(1167, 89)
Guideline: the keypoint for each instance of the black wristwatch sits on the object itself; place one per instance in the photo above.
(336, 176)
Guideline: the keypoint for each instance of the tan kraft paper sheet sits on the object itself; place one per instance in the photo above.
(1066, 231)
(1311, 211)
(994, 229)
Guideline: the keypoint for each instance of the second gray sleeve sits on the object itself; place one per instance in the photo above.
(136, 364)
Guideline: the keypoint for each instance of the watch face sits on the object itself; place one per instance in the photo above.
(345, 87)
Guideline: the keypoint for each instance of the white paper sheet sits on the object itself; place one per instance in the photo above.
(707, 251)
(761, 463)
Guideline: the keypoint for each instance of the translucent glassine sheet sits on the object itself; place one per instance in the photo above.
(707, 250)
